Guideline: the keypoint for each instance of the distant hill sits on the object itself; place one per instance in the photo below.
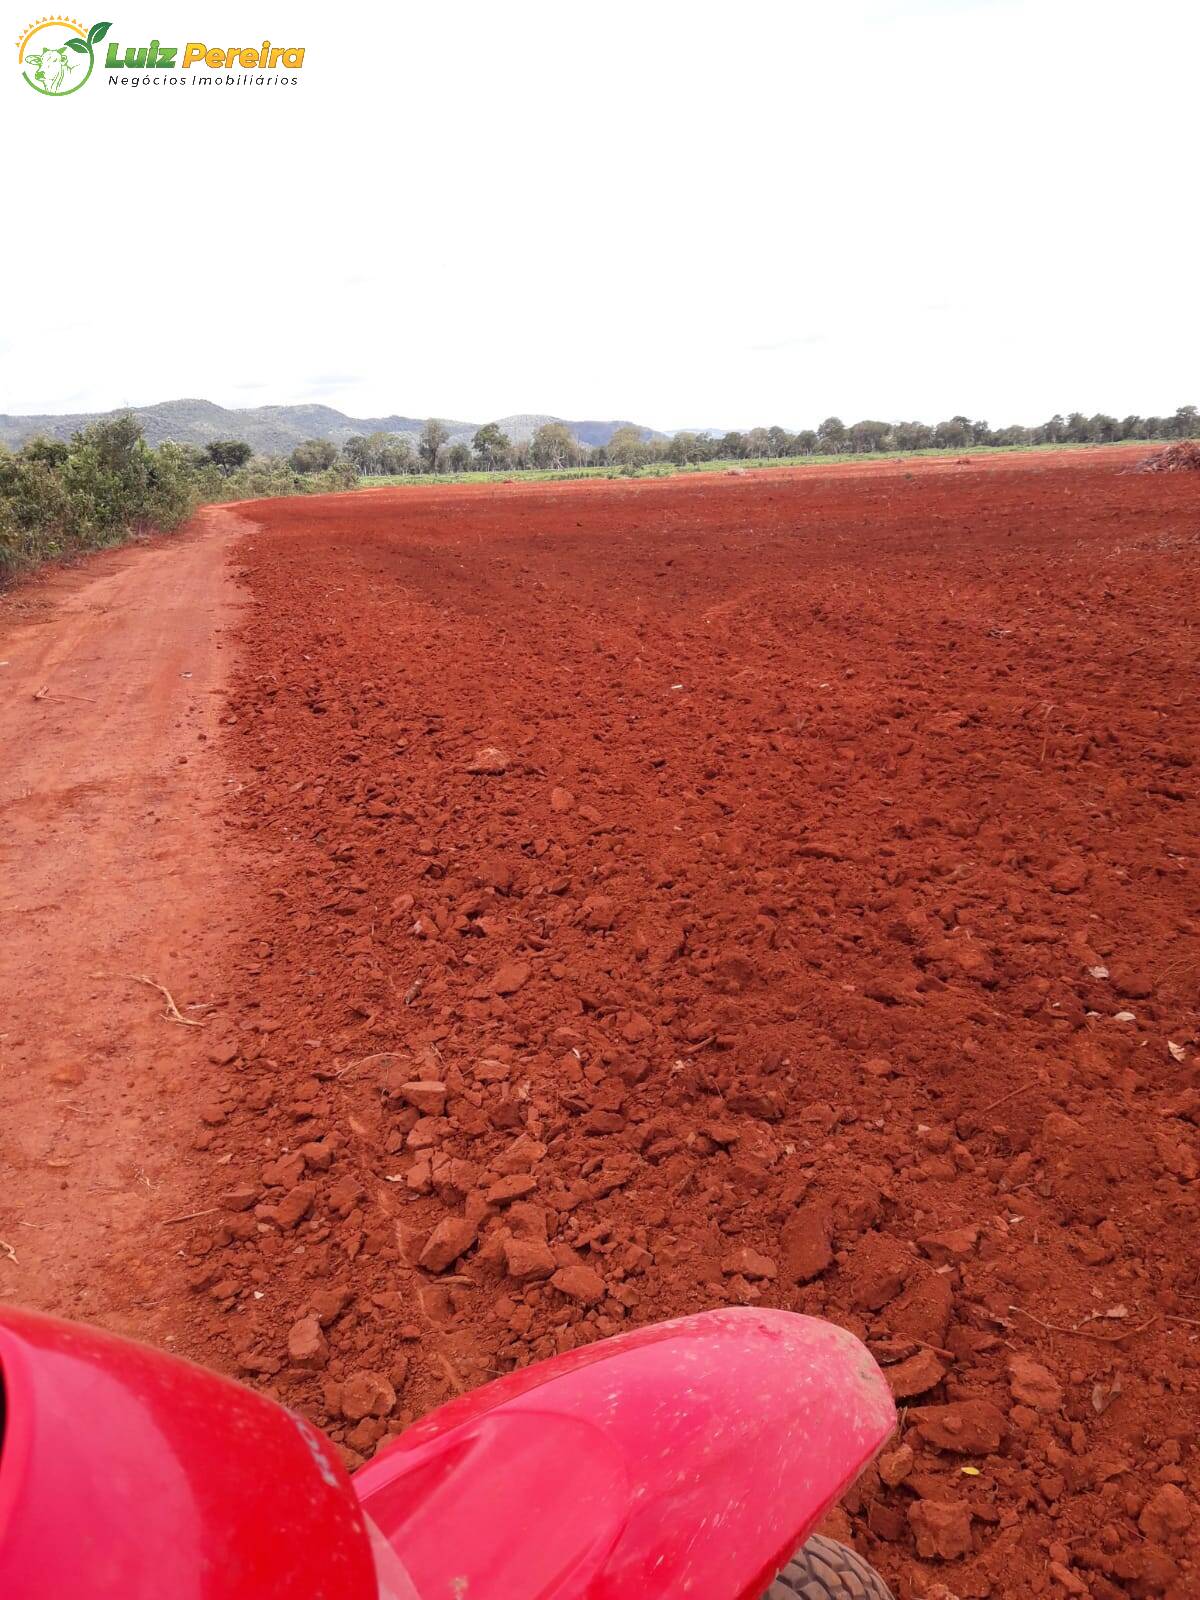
(525, 425)
(274, 430)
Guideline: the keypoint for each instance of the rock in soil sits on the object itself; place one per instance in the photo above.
(452, 1237)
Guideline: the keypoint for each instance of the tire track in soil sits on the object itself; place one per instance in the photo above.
(783, 959)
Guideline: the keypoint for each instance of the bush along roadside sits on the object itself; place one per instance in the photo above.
(107, 485)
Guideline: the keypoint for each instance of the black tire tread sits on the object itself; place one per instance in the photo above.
(826, 1570)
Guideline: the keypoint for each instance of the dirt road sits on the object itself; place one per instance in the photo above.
(109, 870)
(643, 896)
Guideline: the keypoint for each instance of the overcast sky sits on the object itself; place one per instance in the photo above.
(688, 214)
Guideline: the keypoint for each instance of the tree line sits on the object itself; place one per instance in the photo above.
(490, 450)
(554, 446)
(105, 483)
(58, 496)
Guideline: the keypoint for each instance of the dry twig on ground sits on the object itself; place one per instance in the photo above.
(172, 1013)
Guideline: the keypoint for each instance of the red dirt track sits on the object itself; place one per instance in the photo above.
(844, 815)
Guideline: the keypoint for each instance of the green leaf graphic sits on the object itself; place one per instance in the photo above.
(77, 44)
(97, 31)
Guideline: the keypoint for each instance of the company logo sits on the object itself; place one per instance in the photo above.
(56, 54)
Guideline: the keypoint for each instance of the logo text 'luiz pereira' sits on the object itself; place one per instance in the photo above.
(57, 55)
(230, 58)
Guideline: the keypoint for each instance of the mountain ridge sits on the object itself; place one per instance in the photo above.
(275, 430)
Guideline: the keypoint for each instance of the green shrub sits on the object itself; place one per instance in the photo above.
(36, 514)
(107, 483)
(107, 478)
(172, 491)
(11, 551)
(313, 455)
(341, 475)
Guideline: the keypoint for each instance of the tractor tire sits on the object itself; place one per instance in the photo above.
(826, 1570)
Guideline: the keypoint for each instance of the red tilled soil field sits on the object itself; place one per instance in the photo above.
(768, 889)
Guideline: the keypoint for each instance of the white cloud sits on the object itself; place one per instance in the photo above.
(671, 211)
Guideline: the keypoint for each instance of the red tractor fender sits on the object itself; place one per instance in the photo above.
(129, 1475)
(690, 1458)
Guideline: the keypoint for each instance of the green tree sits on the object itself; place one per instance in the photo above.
(313, 455)
(434, 436)
(1015, 434)
(1103, 428)
(684, 448)
(554, 445)
(867, 436)
(48, 452)
(357, 451)
(374, 446)
(953, 435)
(832, 435)
(627, 447)
(227, 455)
(396, 455)
(912, 435)
(492, 445)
